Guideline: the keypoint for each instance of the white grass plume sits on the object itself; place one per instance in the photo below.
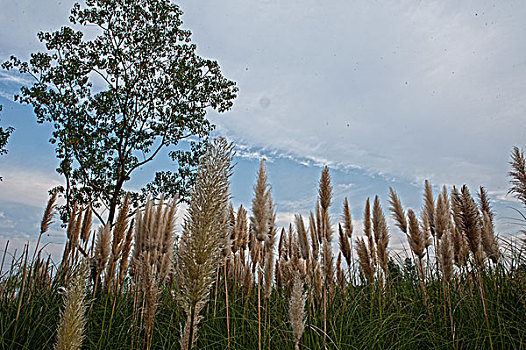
(72, 318)
(206, 225)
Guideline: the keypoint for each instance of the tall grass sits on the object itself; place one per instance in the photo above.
(228, 282)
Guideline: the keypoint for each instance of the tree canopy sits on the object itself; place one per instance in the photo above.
(117, 100)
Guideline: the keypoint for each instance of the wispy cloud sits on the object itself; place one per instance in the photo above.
(27, 186)
(13, 77)
(407, 90)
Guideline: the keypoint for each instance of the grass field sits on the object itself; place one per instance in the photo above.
(232, 280)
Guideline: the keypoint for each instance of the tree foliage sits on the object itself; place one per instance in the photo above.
(138, 88)
(4, 137)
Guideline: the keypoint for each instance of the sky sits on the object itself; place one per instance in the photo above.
(385, 93)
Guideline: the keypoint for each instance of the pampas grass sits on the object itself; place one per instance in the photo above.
(205, 230)
(119, 232)
(443, 216)
(467, 220)
(381, 236)
(394, 304)
(397, 210)
(518, 175)
(70, 332)
(303, 240)
(365, 261)
(489, 240)
(416, 236)
(102, 252)
(429, 206)
(47, 218)
(345, 247)
(297, 310)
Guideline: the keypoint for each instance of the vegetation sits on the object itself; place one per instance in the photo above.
(224, 284)
(4, 137)
(115, 102)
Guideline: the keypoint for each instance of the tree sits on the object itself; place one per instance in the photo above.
(116, 101)
(4, 137)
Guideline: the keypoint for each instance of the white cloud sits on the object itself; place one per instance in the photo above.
(27, 186)
(410, 90)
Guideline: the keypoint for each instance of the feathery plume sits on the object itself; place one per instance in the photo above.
(426, 231)
(381, 236)
(71, 221)
(47, 218)
(318, 280)
(277, 273)
(241, 228)
(489, 241)
(484, 203)
(233, 229)
(429, 206)
(206, 225)
(446, 255)
(150, 292)
(368, 233)
(72, 319)
(86, 225)
(460, 247)
(518, 175)
(297, 310)
(364, 258)
(319, 231)
(397, 210)
(118, 237)
(347, 219)
(74, 241)
(138, 236)
(456, 209)
(167, 243)
(471, 223)
(415, 237)
(123, 267)
(443, 216)
(259, 222)
(247, 278)
(340, 275)
(314, 237)
(325, 196)
(325, 190)
(269, 251)
(102, 249)
(345, 247)
(70, 232)
(283, 248)
(302, 237)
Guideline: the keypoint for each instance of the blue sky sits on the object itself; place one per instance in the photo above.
(385, 93)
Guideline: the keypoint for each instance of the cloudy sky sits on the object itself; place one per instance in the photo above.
(386, 93)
